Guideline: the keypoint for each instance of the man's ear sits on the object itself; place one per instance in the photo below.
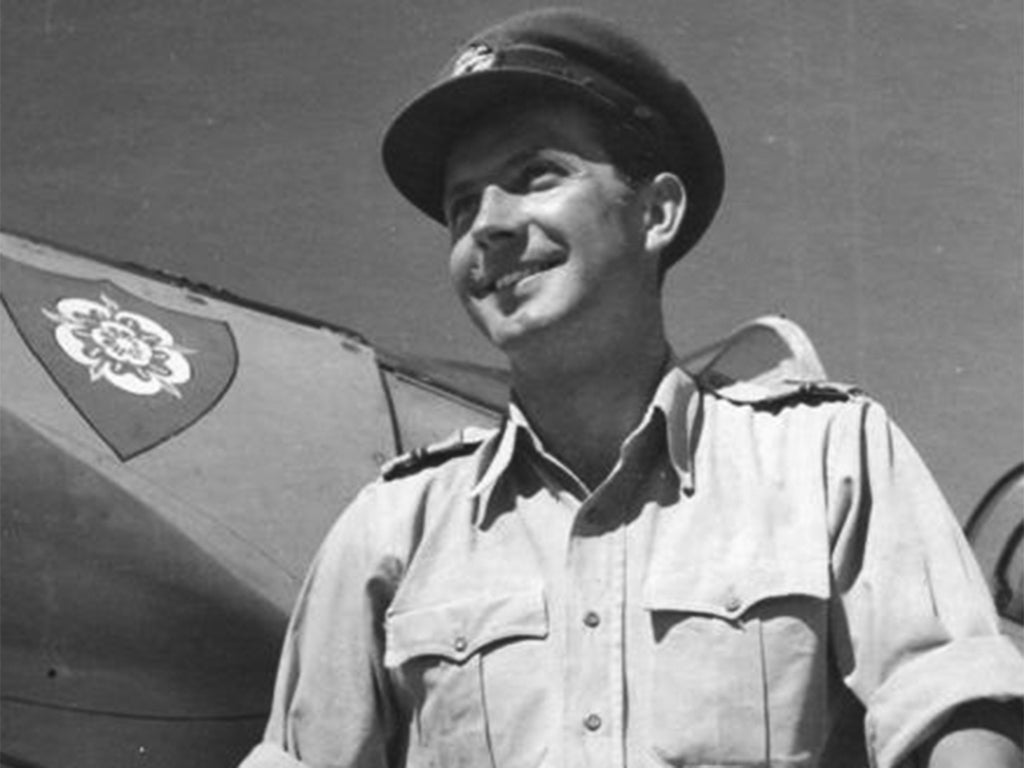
(666, 204)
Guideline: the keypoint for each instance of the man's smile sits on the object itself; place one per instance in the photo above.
(515, 276)
(547, 237)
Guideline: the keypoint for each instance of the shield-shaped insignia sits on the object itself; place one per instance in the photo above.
(138, 373)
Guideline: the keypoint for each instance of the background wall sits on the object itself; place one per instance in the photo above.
(873, 152)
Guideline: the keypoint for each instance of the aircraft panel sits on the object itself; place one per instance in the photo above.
(422, 418)
(77, 739)
(303, 424)
(146, 582)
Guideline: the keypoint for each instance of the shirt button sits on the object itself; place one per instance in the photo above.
(460, 644)
(592, 722)
(591, 618)
(733, 604)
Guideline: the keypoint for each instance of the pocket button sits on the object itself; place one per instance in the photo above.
(460, 644)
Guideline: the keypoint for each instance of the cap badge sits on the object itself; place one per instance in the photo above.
(476, 58)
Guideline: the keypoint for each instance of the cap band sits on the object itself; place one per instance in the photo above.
(481, 57)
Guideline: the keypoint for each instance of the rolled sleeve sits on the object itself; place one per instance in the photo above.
(332, 705)
(922, 693)
(915, 632)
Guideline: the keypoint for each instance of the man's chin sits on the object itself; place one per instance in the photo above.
(520, 340)
(518, 331)
(506, 335)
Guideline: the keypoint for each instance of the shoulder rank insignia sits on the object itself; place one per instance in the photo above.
(783, 391)
(461, 443)
(824, 390)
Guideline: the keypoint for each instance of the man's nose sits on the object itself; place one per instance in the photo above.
(499, 217)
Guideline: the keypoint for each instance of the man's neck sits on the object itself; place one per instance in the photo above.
(584, 410)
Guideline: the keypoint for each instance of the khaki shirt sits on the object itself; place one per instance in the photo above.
(758, 565)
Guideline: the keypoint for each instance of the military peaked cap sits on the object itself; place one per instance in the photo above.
(562, 53)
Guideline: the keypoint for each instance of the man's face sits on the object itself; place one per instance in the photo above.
(546, 235)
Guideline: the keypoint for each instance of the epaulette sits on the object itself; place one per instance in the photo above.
(768, 362)
(782, 391)
(461, 443)
(824, 390)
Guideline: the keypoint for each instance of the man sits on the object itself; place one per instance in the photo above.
(640, 567)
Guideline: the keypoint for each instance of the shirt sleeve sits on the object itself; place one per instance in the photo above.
(915, 631)
(333, 706)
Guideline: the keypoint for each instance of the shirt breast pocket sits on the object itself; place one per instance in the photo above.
(738, 671)
(439, 654)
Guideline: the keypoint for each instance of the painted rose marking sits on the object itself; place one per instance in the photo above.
(126, 349)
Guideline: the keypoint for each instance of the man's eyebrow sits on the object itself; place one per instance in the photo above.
(520, 157)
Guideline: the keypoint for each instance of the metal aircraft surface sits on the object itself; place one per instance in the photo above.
(171, 458)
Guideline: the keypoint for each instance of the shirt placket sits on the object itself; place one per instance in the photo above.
(588, 579)
(594, 716)
(640, 674)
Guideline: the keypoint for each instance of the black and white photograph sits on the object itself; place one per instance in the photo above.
(459, 385)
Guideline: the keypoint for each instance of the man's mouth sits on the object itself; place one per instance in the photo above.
(509, 279)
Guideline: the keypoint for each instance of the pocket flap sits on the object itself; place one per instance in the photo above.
(459, 629)
(729, 591)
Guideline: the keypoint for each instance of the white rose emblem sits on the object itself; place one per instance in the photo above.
(127, 349)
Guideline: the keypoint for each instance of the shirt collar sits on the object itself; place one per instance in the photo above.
(674, 398)
(502, 454)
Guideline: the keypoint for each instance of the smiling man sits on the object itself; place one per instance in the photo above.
(555, 255)
(641, 567)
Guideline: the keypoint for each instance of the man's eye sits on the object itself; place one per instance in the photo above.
(541, 175)
(457, 210)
